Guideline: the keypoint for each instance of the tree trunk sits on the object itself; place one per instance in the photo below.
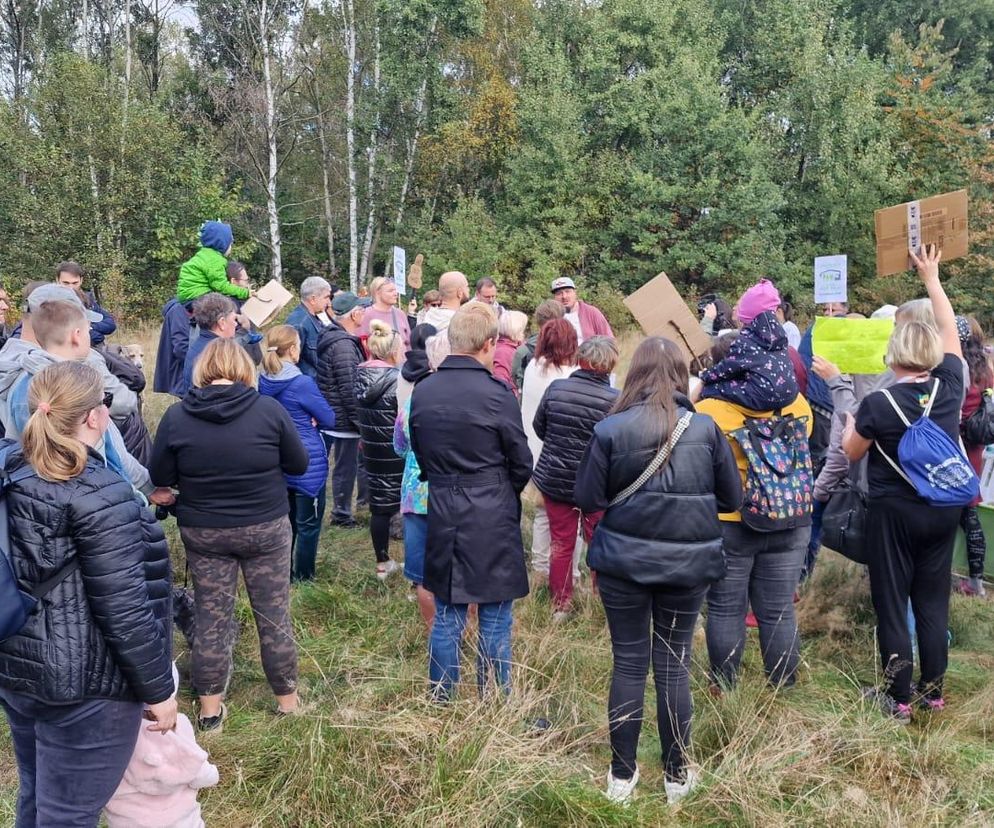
(348, 11)
(86, 29)
(371, 151)
(127, 74)
(275, 241)
(326, 192)
(420, 114)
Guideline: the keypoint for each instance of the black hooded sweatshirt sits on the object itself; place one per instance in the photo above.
(226, 448)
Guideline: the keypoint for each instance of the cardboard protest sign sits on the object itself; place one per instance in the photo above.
(268, 301)
(941, 220)
(857, 346)
(658, 307)
(415, 274)
(831, 276)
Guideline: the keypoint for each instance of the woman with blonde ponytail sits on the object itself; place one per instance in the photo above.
(79, 541)
(298, 393)
(376, 392)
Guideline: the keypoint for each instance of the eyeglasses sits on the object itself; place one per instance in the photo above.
(434, 305)
(108, 400)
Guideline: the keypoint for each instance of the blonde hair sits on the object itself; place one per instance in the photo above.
(223, 359)
(383, 340)
(54, 322)
(915, 310)
(914, 346)
(376, 284)
(513, 325)
(59, 398)
(471, 326)
(279, 342)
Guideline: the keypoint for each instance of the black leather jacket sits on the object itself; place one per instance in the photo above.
(565, 421)
(105, 631)
(376, 392)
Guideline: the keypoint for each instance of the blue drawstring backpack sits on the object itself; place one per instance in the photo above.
(931, 462)
(17, 604)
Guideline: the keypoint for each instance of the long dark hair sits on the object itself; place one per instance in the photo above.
(656, 373)
(975, 355)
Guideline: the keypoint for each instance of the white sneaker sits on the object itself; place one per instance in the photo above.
(560, 617)
(621, 790)
(386, 569)
(675, 791)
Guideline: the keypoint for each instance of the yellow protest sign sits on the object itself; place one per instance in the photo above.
(857, 346)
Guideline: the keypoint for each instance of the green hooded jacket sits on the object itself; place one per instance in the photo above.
(206, 272)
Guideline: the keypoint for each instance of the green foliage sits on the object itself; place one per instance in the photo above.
(126, 200)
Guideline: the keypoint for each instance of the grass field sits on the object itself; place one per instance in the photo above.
(371, 750)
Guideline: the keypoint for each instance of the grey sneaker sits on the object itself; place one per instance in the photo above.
(889, 706)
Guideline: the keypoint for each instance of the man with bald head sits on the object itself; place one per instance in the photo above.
(454, 287)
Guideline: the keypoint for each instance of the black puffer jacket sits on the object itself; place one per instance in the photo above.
(565, 421)
(104, 632)
(667, 533)
(376, 393)
(339, 354)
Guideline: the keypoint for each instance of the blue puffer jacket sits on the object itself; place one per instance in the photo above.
(299, 395)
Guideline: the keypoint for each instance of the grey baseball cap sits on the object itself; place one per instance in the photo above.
(58, 293)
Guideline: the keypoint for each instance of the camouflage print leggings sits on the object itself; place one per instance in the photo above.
(262, 552)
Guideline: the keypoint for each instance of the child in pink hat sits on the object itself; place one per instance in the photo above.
(159, 788)
(757, 373)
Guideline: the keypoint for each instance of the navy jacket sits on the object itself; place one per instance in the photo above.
(467, 435)
(105, 327)
(309, 327)
(196, 349)
(174, 342)
(818, 391)
(299, 395)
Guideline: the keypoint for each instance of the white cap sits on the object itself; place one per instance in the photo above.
(884, 312)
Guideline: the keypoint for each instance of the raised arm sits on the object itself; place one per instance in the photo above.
(945, 320)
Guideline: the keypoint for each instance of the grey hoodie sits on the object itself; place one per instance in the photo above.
(27, 359)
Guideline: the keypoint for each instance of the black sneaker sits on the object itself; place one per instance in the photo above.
(889, 706)
(212, 724)
(345, 523)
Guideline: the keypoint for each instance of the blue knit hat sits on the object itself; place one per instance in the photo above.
(217, 236)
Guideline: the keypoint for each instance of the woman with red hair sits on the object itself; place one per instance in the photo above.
(555, 358)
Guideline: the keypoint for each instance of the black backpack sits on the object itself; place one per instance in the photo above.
(16, 604)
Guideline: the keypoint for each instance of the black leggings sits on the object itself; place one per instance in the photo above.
(379, 531)
(976, 543)
(649, 622)
(913, 555)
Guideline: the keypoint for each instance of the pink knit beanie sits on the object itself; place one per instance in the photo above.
(762, 296)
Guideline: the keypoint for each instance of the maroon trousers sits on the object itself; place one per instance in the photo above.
(564, 520)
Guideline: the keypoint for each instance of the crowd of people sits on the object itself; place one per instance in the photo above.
(687, 491)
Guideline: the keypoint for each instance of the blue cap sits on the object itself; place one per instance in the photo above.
(217, 236)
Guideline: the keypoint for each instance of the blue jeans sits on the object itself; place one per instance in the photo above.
(70, 758)
(763, 568)
(415, 541)
(306, 514)
(493, 650)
